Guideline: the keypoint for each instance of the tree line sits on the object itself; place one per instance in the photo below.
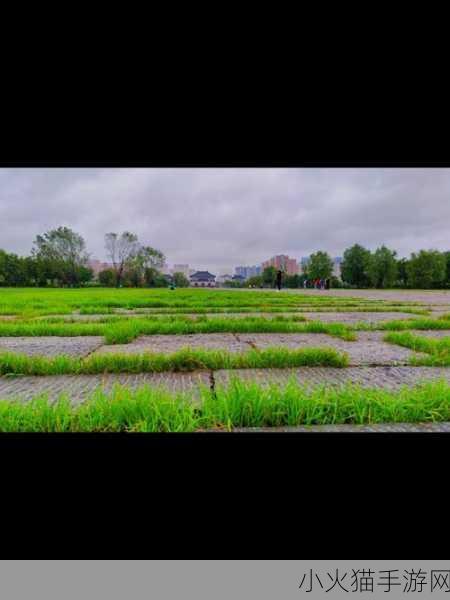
(59, 258)
(361, 268)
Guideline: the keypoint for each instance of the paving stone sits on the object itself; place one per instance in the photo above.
(379, 377)
(431, 333)
(51, 345)
(368, 349)
(172, 343)
(443, 427)
(79, 387)
(358, 317)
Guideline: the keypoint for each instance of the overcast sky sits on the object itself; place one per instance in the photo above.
(216, 219)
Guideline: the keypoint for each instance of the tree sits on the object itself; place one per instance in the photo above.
(63, 252)
(293, 281)
(180, 280)
(427, 269)
(145, 265)
(121, 249)
(355, 266)
(12, 270)
(402, 272)
(86, 274)
(447, 260)
(320, 266)
(382, 268)
(269, 276)
(256, 281)
(107, 278)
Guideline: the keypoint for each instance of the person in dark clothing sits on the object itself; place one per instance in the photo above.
(279, 276)
(327, 284)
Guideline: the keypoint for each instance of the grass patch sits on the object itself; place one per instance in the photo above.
(120, 330)
(47, 301)
(437, 349)
(239, 404)
(183, 360)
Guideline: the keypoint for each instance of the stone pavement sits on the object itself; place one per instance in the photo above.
(51, 345)
(379, 377)
(368, 349)
(443, 427)
(358, 317)
(78, 387)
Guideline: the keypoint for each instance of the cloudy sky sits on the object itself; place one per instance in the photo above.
(218, 218)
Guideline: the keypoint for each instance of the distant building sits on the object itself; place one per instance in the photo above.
(238, 278)
(98, 265)
(337, 261)
(283, 263)
(203, 279)
(247, 272)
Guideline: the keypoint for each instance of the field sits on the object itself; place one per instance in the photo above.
(222, 360)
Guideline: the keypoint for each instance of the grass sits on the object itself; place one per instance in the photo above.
(117, 330)
(403, 325)
(437, 349)
(46, 301)
(240, 404)
(183, 360)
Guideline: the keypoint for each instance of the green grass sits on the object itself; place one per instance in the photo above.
(183, 360)
(437, 349)
(119, 330)
(46, 301)
(239, 404)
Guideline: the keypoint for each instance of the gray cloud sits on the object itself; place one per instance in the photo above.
(220, 218)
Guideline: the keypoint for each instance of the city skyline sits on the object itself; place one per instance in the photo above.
(217, 219)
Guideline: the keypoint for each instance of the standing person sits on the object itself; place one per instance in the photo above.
(279, 276)
(305, 283)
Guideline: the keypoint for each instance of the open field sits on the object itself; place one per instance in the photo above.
(295, 353)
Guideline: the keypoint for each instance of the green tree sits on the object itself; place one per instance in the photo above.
(447, 260)
(427, 269)
(355, 266)
(402, 272)
(256, 281)
(122, 250)
(320, 265)
(63, 252)
(269, 276)
(180, 280)
(107, 278)
(293, 281)
(382, 268)
(13, 271)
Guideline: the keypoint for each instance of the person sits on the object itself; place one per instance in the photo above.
(279, 276)
(305, 283)
(327, 283)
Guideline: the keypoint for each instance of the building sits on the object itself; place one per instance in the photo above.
(337, 261)
(202, 279)
(238, 278)
(247, 272)
(282, 262)
(98, 265)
